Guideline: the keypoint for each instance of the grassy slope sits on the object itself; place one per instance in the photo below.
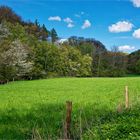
(36, 108)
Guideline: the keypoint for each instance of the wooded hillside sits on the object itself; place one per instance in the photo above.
(27, 53)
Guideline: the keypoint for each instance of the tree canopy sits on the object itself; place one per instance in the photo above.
(26, 53)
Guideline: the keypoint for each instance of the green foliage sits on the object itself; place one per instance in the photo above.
(40, 58)
(17, 32)
(53, 35)
(104, 63)
(137, 67)
(134, 62)
(74, 63)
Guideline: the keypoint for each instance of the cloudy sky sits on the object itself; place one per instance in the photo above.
(113, 22)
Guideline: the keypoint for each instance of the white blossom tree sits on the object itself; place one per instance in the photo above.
(16, 57)
(4, 31)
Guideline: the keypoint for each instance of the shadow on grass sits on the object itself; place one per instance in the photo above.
(46, 122)
(39, 121)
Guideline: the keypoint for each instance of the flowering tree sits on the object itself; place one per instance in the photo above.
(15, 59)
(4, 31)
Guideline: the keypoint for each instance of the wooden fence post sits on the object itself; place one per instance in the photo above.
(126, 97)
(68, 120)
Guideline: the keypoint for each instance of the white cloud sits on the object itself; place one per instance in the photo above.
(126, 48)
(136, 3)
(55, 18)
(136, 33)
(68, 20)
(86, 24)
(70, 25)
(121, 26)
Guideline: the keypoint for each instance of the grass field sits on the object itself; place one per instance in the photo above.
(36, 109)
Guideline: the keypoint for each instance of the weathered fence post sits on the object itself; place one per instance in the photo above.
(68, 119)
(126, 97)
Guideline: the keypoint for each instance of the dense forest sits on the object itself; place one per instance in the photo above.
(29, 50)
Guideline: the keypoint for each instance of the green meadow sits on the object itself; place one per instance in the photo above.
(36, 109)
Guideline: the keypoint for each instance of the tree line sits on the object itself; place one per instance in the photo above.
(27, 53)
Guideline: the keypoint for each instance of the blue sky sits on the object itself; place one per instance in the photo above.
(113, 22)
